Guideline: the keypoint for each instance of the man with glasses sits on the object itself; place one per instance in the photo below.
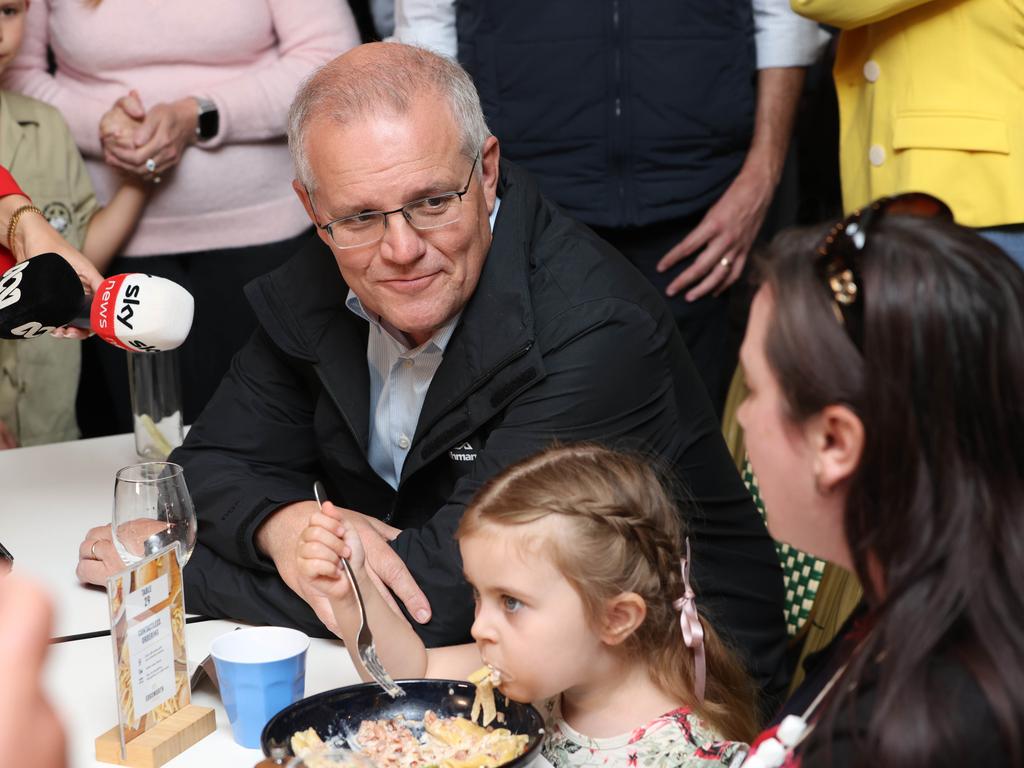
(450, 323)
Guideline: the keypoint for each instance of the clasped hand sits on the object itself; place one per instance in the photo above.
(287, 537)
(132, 136)
(327, 539)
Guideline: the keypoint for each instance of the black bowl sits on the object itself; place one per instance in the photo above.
(340, 712)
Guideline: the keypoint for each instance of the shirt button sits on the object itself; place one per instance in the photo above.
(871, 70)
(407, 362)
(876, 155)
(403, 442)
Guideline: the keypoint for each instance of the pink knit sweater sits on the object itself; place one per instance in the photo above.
(247, 56)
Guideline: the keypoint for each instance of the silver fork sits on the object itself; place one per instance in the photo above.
(364, 640)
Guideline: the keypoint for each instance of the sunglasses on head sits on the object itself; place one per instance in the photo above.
(839, 255)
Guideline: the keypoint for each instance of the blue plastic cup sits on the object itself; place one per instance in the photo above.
(260, 671)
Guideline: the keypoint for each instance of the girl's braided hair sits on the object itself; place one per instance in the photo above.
(623, 533)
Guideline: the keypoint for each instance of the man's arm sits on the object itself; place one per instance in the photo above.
(727, 232)
(427, 23)
(848, 15)
(278, 538)
(786, 44)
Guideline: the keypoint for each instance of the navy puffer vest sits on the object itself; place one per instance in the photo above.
(628, 113)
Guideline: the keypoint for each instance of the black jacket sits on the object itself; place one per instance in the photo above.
(628, 113)
(562, 340)
(960, 715)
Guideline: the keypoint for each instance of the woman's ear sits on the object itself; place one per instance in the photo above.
(837, 436)
(622, 615)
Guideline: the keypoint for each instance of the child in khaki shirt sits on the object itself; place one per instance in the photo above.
(39, 378)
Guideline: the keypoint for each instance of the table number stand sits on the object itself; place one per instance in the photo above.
(156, 719)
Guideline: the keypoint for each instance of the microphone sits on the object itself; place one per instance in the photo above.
(133, 311)
(140, 313)
(38, 295)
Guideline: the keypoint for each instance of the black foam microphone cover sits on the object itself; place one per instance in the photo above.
(38, 295)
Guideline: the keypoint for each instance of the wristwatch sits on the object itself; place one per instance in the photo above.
(209, 119)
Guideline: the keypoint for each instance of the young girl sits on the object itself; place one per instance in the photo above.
(574, 556)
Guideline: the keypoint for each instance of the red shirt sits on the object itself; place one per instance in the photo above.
(8, 186)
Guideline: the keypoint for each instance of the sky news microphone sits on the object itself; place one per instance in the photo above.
(134, 311)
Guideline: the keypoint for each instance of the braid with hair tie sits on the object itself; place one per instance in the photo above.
(657, 548)
(660, 554)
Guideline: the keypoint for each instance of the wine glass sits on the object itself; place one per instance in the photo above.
(152, 509)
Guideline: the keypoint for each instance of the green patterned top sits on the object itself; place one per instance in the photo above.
(801, 573)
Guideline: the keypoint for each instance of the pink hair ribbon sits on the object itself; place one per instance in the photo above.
(689, 622)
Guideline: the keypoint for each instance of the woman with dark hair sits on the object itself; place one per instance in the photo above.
(886, 368)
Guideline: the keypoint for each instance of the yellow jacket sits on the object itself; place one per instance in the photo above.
(931, 98)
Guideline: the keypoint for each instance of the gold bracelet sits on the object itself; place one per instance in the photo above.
(14, 223)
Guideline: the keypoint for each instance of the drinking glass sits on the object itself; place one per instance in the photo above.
(154, 380)
(152, 509)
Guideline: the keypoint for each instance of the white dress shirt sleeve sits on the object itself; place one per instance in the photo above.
(783, 38)
(429, 24)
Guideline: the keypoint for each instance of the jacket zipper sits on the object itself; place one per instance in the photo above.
(617, 143)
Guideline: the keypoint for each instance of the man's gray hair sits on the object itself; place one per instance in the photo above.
(346, 91)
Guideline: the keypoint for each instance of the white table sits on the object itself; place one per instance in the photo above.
(50, 495)
(79, 678)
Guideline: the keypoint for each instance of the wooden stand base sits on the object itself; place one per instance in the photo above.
(167, 739)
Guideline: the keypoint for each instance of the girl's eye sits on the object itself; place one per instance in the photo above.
(510, 604)
(476, 596)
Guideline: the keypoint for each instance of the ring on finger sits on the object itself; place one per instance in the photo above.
(92, 550)
(725, 261)
(151, 165)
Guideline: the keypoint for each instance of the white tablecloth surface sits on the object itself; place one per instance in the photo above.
(79, 678)
(50, 495)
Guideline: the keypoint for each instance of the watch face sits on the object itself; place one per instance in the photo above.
(209, 122)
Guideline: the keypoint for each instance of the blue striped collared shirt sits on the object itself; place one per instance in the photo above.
(399, 380)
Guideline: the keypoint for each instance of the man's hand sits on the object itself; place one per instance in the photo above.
(723, 237)
(278, 538)
(729, 228)
(386, 568)
(97, 558)
(31, 736)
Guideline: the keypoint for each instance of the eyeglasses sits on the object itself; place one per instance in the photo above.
(839, 255)
(368, 227)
